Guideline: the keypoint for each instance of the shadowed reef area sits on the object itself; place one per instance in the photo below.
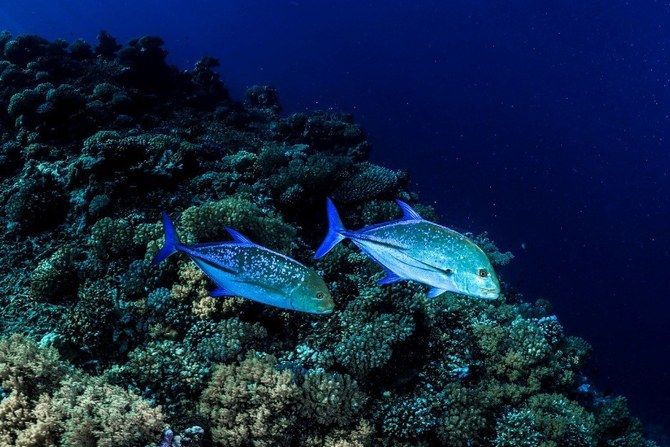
(99, 348)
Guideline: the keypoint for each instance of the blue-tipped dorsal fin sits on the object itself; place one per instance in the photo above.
(238, 237)
(221, 291)
(407, 212)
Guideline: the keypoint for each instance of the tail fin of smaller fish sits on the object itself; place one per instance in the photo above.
(171, 240)
(336, 231)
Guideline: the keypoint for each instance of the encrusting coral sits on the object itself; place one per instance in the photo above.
(97, 140)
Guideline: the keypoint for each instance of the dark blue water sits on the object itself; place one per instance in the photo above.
(546, 123)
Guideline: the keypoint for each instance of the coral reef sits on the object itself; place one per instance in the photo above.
(48, 402)
(251, 403)
(97, 140)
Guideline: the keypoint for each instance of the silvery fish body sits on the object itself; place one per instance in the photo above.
(419, 250)
(243, 268)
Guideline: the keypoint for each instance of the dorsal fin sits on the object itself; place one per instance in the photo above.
(407, 212)
(238, 237)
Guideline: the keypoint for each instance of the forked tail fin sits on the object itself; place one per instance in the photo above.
(171, 240)
(336, 231)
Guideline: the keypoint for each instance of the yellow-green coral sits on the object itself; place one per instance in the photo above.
(359, 436)
(110, 237)
(223, 341)
(192, 284)
(207, 223)
(163, 369)
(463, 421)
(54, 278)
(368, 346)
(330, 398)
(93, 413)
(251, 403)
(47, 402)
(561, 421)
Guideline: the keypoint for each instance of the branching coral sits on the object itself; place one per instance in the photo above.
(223, 341)
(54, 279)
(251, 402)
(207, 222)
(38, 203)
(330, 398)
(166, 371)
(367, 346)
(110, 237)
(46, 402)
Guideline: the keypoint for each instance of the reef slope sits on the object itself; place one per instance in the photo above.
(99, 348)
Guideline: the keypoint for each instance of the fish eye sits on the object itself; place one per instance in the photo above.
(448, 271)
(319, 295)
(483, 273)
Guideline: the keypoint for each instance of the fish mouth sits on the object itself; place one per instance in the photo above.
(324, 311)
(489, 294)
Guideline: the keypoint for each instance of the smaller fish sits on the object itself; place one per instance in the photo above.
(416, 249)
(243, 268)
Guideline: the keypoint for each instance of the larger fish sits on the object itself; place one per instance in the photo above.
(242, 268)
(414, 248)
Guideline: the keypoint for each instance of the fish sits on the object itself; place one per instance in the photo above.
(243, 268)
(413, 248)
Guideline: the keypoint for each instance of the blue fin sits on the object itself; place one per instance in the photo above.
(171, 240)
(390, 278)
(221, 291)
(238, 237)
(407, 212)
(335, 230)
(434, 292)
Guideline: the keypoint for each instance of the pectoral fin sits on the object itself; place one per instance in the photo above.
(434, 292)
(390, 278)
(221, 291)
